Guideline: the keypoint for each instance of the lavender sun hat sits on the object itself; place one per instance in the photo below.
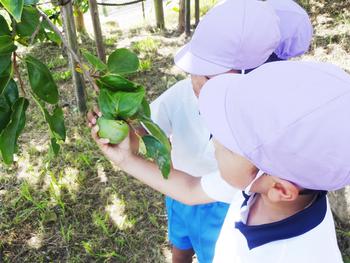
(295, 27)
(290, 119)
(235, 34)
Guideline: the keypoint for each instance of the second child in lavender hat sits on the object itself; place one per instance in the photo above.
(290, 120)
(234, 35)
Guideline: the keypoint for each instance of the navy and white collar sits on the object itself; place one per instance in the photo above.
(293, 226)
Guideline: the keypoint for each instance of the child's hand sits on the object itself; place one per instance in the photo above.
(117, 153)
(92, 116)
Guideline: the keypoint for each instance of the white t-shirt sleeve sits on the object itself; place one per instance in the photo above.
(160, 113)
(216, 188)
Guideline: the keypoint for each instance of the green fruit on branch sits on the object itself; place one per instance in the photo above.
(114, 130)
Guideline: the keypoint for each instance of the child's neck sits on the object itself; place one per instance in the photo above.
(264, 211)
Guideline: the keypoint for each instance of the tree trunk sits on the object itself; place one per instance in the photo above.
(70, 33)
(79, 20)
(340, 203)
(196, 11)
(188, 17)
(158, 7)
(104, 9)
(97, 30)
(181, 25)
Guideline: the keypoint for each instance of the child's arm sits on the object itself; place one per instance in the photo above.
(180, 186)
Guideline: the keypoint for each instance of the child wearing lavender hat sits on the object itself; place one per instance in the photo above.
(220, 44)
(282, 134)
(290, 120)
(234, 36)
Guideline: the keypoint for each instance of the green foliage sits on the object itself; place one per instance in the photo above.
(123, 61)
(14, 7)
(24, 29)
(7, 99)
(6, 45)
(4, 28)
(157, 132)
(41, 80)
(122, 99)
(29, 22)
(6, 74)
(94, 61)
(147, 45)
(10, 134)
(115, 82)
(157, 151)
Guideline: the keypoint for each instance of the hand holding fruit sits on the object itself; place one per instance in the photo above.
(124, 112)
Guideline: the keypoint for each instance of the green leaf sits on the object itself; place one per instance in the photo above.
(41, 80)
(117, 83)
(157, 132)
(129, 103)
(108, 103)
(5, 113)
(8, 98)
(30, 2)
(6, 45)
(123, 61)
(56, 123)
(9, 136)
(5, 76)
(5, 61)
(144, 111)
(4, 28)
(11, 92)
(158, 152)
(54, 146)
(94, 61)
(14, 7)
(29, 22)
(46, 32)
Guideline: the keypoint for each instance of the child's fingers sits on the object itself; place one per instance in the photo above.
(91, 118)
(94, 131)
(97, 111)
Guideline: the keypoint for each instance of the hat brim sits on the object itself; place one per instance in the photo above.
(195, 65)
(212, 107)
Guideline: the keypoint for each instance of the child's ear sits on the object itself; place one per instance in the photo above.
(282, 191)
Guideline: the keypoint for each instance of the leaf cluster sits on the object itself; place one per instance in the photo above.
(123, 100)
(21, 24)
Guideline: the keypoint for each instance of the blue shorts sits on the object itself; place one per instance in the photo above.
(196, 226)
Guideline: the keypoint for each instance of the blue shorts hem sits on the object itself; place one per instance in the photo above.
(181, 247)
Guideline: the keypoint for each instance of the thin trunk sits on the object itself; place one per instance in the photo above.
(69, 28)
(196, 11)
(79, 20)
(181, 25)
(104, 9)
(158, 7)
(97, 30)
(188, 17)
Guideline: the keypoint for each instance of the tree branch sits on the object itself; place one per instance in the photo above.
(74, 55)
(32, 38)
(15, 66)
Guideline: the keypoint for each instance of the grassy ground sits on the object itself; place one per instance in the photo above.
(77, 207)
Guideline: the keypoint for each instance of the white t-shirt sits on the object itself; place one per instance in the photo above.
(307, 237)
(176, 112)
